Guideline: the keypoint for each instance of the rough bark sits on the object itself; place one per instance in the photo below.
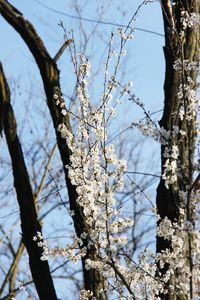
(186, 48)
(50, 77)
(29, 221)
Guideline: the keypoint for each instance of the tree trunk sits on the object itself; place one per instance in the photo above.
(29, 221)
(181, 48)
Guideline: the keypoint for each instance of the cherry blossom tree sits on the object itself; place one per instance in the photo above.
(94, 174)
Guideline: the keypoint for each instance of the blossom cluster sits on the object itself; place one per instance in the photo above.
(72, 252)
(189, 19)
(97, 173)
(179, 258)
(185, 65)
(188, 101)
(85, 295)
(95, 170)
(170, 174)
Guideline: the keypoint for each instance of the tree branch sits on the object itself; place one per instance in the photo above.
(62, 49)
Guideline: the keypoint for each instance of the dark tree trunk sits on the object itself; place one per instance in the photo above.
(29, 221)
(177, 47)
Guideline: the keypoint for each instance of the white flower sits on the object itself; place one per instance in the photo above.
(63, 112)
